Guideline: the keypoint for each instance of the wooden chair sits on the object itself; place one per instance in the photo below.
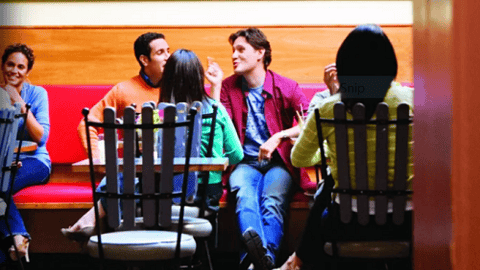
(383, 199)
(198, 208)
(152, 240)
(203, 212)
(9, 129)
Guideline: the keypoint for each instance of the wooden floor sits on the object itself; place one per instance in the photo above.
(221, 261)
(70, 261)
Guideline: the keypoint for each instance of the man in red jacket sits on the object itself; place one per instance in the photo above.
(262, 105)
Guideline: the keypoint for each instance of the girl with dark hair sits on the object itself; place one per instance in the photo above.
(366, 65)
(183, 81)
(17, 63)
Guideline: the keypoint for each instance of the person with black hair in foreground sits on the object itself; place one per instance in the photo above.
(365, 56)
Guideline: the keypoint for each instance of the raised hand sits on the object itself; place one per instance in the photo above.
(214, 75)
(330, 78)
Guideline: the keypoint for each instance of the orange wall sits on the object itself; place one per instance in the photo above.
(104, 55)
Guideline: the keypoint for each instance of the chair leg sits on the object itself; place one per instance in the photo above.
(207, 251)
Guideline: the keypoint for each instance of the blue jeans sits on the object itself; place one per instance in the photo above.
(177, 187)
(32, 172)
(262, 199)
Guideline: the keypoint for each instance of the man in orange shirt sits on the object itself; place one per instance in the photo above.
(152, 52)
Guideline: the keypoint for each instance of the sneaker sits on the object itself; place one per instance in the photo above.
(256, 251)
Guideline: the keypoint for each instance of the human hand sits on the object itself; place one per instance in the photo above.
(267, 148)
(214, 73)
(330, 78)
(15, 96)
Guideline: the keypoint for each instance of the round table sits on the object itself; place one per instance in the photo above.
(27, 146)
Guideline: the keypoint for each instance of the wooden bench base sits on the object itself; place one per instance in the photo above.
(44, 220)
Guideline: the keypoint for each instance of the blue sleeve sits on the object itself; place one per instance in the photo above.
(39, 102)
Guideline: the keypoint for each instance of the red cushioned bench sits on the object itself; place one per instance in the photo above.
(47, 208)
(66, 189)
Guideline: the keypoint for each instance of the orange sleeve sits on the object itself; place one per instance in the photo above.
(96, 114)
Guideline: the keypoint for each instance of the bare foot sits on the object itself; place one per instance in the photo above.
(88, 219)
(293, 263)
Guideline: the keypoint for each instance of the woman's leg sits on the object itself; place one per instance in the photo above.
(311, 242)
(32, 172)
(15, 224)
(88, 219)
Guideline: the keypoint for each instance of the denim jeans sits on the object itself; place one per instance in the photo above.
(177, 187)
(262, 199)
(32, 172)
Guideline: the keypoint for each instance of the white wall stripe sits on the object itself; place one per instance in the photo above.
(206, 13)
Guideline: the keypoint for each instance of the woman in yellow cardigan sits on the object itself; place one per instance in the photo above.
(365, 59)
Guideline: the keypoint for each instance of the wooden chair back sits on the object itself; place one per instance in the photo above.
(156, 186)
(7, 144)
(383, 198)
(208, 119)
(9, 131)
(382, 195)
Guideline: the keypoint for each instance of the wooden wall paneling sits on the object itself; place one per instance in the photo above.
(465, 127)
(433, 134)
(104, 55)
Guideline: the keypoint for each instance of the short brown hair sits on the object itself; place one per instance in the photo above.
(257, 39)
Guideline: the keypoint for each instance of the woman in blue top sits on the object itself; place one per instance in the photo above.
(17, 62)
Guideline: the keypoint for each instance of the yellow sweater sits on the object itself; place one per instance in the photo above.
(120, 96)
(306, 152)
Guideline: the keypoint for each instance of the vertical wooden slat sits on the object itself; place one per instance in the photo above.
(181, 132)
(148, 170)
(5, 133)
(401, 162)
(180, 138)
(111, 162)
(168, 149)
(205, 176)
(195, 152)
(361, 174)
(129, 172)
(343, 168)
(381, 163)
(10, 138)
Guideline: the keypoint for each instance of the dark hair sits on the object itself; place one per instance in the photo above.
(183, 78)
(142, 45)
(22, 48)
(258, 40)
(366, 60)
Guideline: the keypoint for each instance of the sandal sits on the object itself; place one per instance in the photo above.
(81, 235)
(19, 248)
